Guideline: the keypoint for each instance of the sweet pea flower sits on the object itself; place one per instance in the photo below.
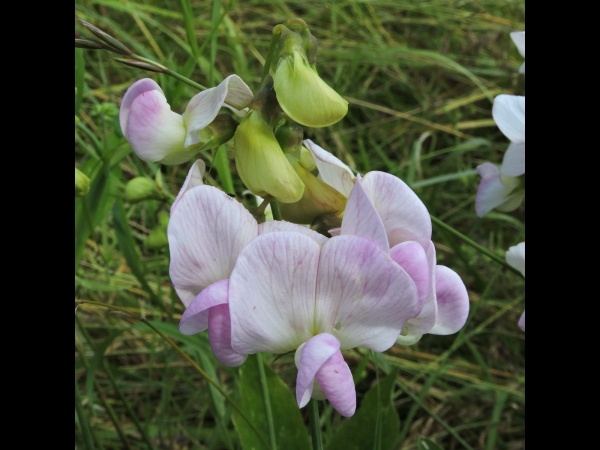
(157, 134)
(406, 236)
(515, 256)
(207, 232)
(288, 292)
(496, 191)
(518, 37)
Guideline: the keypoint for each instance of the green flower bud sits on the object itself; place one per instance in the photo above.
(303, 95)
(261, 164)
(82, 183)
(157, 238)
(290, 136)
(306, 159)
(318, 199)
(163, 219)
(142, 188)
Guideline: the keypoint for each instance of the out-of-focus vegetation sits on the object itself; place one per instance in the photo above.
(420, 77)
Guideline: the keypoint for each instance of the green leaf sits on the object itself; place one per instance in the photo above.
(129, 250)
(79, 78)
(290, 432)
(359, 432)
(428, 444)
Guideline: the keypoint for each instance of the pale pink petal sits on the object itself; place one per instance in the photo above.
(425, 320)
(331, 170)
(195, 317)
(361, 218)
(272, 226)
(509, 114)
(153, 130)
(492, 191)
(313, 354)
(337, 384)
(452, 301)
(403, 214)
(513, 164)
(335, 231)
(522, 321)
(204, 107)
(272, 293)
(143, 85)
(412, 257)
(363, 297)
(518, 37)
(207, 231)
(522, 68)
(515, 256)
(219, 334)
(193, 179)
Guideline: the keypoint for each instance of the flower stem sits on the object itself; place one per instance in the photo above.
(475, 245)
(275, 210)
(315, 424)
(267, 400)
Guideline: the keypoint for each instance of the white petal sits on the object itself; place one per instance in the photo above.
(331, 170)
(515, 256)
(193, 179)
(513, 164)
(518, 37)
(509, 114)
(492, 191)
(273, 226)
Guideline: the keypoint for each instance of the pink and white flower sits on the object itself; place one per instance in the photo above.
(158, 134)
(207, 232)
(515, 256)
(406, 235)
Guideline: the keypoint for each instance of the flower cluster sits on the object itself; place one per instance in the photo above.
(279, 287)
(502, 188)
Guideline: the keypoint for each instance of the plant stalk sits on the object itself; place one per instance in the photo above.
(315, 424)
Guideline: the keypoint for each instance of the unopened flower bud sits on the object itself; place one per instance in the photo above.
(82, 183)
(141, 188)
(306, 159)
(290, 136)
(311, 46)
(157, 238)
(301, 93)
(261, 164)
(163, 219)
(318, 199)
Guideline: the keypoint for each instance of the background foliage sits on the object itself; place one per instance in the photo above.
(420, 77)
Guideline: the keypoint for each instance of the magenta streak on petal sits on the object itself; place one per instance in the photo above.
(137, 88)
(315, 352)
(195, 316)
(219, 334)
(335, 379)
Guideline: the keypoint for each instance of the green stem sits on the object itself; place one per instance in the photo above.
(83, 422)
(268, 61)
(267, 400)
(315, 424)
(222, 165)
(187, 358)
(275, 210)
(475, 245)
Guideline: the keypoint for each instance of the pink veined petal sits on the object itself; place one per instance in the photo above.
(143, 85)
(193, 179)
(513, 164)
(363, 297)
(412, 257)
(337, 384)
(272, 226)
(219, 334)
(361, 218)
(403, 214)
(425, 320)
(452, 302)
(204, 107)
(515, 256)
(518, 37)
(153, 130)
(509, 114)
(195, 317)
(492, 192)
(207, 231)
(272, 293)
(313, 354)
(331, 170)
(522, 321)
